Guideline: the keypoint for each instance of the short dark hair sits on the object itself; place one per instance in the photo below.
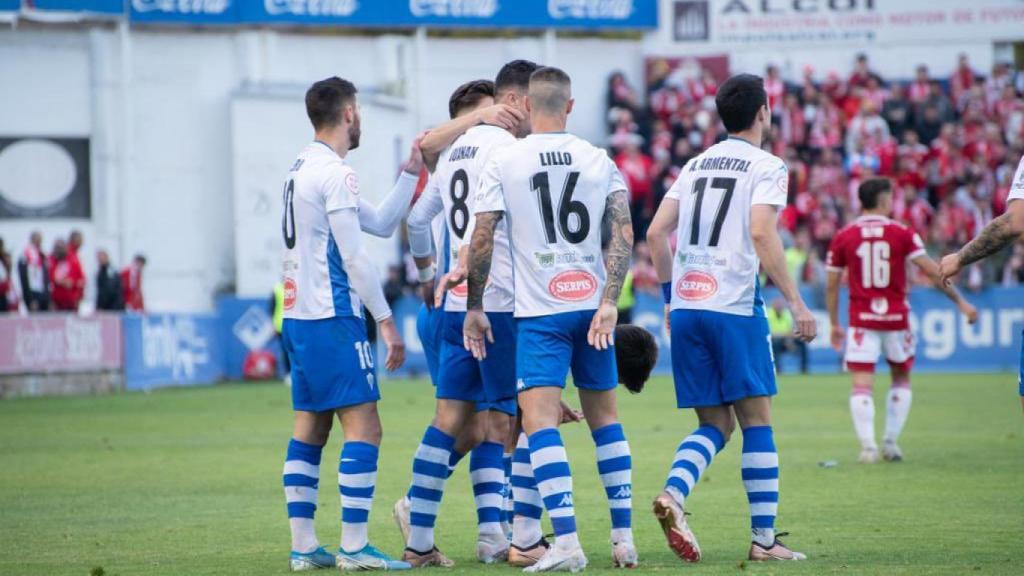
(326, 98)
(550, 74)
(636, 353)
(515, 74)
(738, 101)
(870, 190)
(469, 95)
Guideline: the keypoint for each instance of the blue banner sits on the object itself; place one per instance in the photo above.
(567, 14)
(112, 7)
(10, 5)
(172, 350)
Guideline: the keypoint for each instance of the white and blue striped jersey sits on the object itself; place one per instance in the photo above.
(715, 266)
(1017, 188)
(316, 284)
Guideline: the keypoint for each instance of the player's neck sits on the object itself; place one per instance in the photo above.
(874, 214)
(752, 137)
(336, 140)
(546, 124)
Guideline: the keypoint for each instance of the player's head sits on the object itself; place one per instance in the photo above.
(875, 196)
(636, 353)
(331, 105)
(511, 86)
(743, 104)
(470, 96)
(550, 93)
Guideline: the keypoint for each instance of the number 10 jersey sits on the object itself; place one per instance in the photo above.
(552, 189)
(715, 266)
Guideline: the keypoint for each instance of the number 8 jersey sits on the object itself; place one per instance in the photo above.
(715, 266)
(552, 189)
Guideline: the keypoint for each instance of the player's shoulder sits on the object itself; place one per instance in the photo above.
(851, 230)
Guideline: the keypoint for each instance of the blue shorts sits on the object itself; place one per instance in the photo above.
(491, 384)
(332, 363)
(720, 358)
(428, 328)
(548, 346)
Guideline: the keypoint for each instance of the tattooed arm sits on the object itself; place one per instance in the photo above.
(999, 234)
(476, 326)
(620, 247)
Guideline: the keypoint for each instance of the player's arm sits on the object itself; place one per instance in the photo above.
(381, 220)
(768, 245)
(998, 234)
(442, 136)
(421, 242)
(481, 250)
(616, 262)
(665, 220)
(931, 269)
(832, 304)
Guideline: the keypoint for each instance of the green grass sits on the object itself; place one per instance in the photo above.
(187, 482)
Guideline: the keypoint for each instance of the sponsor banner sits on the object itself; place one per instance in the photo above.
(585, 14)
(756, 23)
(9, 6)
(573, 285)
(59, 343)
(172, 350)
(56, 186)
(246, 325)
(111, 7)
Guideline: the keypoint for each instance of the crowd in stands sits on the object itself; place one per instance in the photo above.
(40, 282)
(949, 145)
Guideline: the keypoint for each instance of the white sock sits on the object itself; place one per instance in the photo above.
(567, 542)
(622, 535)
(862, 408)
(763, 536)
(303, 535)
(897, 408)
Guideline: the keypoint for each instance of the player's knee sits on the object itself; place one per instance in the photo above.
(499, 426)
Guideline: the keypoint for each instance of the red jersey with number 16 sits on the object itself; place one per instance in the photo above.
(876, 251)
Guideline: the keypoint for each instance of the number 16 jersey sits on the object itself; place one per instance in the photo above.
(715, 266)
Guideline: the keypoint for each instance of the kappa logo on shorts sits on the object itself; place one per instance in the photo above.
(573, 285)
(696, 285)
(289, 293)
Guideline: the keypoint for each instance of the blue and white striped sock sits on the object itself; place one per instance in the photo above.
(693, 457)
(506, 493)
(453, 462)
(487, 473)
(527, 505)
(554, 482)
(301, 480)
(357, 477)
(615, 465)
(760, 471)
(430, 469)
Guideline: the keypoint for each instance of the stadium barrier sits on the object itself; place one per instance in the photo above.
(51, 354)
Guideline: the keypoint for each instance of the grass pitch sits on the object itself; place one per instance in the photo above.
(188, 482)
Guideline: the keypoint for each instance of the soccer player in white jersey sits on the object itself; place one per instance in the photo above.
(328, 277)
(464, 383)
(998, 234)
(554, 191)
(724, 208)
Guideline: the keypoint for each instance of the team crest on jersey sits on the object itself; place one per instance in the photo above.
(573, 285)
(289, 293)
(696, 285)
(352, 181)
(879, 306)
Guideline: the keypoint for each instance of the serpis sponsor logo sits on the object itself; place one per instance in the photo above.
(311, 7)
(696, 285)
(573, 285)
(290, 291)
(590, 9)
(182, 6)
(454, 8)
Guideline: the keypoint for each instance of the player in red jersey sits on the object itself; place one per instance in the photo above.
(875, 251)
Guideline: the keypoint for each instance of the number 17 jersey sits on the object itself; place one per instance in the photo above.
(715, 266)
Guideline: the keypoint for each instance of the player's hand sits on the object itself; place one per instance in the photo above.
(393, 340)
(838, 337)
(949, 266)
(969, 311)
(570, 414)
(415, 162)
(475, 328)
(806, 326)
(502, 115)
(456, 277)
(427, 294)
(602, 328)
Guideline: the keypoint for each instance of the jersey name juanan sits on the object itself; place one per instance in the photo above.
(715, 266)
(316, 284)
(552, 189)
(458, 175)
(876, 251)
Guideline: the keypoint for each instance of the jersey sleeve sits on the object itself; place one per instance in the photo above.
(771, 183)
(1017, 188)
(341, 189)
(490, 196)
(835, 260)
(615, 180)
(676, 190)
(915, 246)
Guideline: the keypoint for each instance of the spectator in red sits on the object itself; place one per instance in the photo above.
(75, 265)
(776, 88)
(962, 79)
(65, 278)
(921, 87)
(862, 74)
(131, 284)
(638, 170)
